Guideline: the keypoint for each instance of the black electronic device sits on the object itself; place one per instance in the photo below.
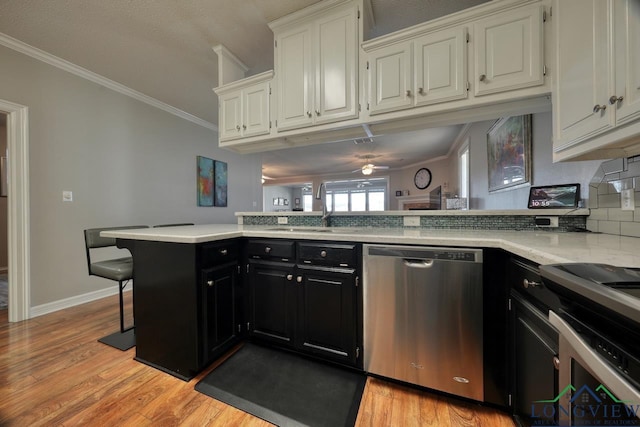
(554, 196)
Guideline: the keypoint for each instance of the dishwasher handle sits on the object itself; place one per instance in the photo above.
(418, 263)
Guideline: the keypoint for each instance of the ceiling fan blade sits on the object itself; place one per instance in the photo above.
(381, 167)
(357, 170)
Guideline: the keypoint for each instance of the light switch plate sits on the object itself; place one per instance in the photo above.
(283, 220)
(627, 200)
(67, 196)
(412, 221)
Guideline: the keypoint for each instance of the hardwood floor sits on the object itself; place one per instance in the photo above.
(54, 372)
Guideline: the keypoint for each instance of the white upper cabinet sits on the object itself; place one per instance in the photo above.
(244, 107)
(627, 60)
(583, 65)
(509, 51)
(316, 61)
(596, 97)
(427, 70)
(440, 66)
(390, 78)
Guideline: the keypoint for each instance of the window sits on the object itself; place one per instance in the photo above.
(307, 202)
(357, 195)
(463, 167)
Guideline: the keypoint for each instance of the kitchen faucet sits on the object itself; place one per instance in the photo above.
(319, 196)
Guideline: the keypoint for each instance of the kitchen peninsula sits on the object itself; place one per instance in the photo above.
(199, 290)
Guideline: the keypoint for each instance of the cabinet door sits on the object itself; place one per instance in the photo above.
(336, 67)
(230, 116)
(583, 75)
(294, 79)
(272, 304)
(390, 79)
(218, 311)
(440, 62)
(255, 109)
(627, 60)
(508, 51)
(535, 374)
(327, 313)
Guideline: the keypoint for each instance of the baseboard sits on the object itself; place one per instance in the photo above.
(51, 307)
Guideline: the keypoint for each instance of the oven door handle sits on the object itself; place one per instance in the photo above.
(573, 346)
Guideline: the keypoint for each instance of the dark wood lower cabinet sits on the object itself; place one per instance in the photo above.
(219, 303)
(185, 303)
(272, 301)
(327, 313)
(313, 309)
(536, 378)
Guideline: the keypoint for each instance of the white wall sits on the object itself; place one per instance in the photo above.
(544, 170)
(125, 161)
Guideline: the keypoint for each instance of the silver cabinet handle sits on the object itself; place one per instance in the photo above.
(223, 251)
(299, 279)
(615, 99)
(530, 284)
(210, 283)
(237, 127)
(289, 276)
(267, 249)
(597, 108)
(323, 254)
(244, 127)
(556, 362)
(309, 113)
(408, 93)
(317, 112)
(421, 91)
(483, 77)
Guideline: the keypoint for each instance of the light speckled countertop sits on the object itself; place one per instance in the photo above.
(538, 246)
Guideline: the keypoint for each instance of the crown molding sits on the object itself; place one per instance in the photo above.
(34, 52)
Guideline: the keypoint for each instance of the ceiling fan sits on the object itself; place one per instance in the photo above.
(368, 167)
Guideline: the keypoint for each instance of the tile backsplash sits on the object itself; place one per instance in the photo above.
(605, 199)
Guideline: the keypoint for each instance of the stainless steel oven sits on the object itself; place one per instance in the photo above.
(598, 322)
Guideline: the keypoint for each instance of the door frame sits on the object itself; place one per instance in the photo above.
(18, 219)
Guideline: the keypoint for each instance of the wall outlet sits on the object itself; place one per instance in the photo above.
(283, 220)
(546, 221)
(627, 201)
(412, 221)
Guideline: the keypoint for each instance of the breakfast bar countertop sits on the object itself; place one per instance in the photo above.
(542, 247)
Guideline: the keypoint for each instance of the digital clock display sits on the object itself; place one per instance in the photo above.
(554, 196)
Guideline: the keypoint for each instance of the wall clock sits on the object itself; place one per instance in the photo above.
(422, 179)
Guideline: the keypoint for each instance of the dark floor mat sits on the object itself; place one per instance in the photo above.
(286, 389)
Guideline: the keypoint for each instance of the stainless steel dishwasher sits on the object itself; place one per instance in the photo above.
(423, 316)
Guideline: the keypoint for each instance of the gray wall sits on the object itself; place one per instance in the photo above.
(271, 192)
(125, 161)
(544, 170)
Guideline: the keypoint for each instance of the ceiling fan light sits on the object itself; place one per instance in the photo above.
(367, 169)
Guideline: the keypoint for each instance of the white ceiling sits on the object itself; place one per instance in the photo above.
(162, 48)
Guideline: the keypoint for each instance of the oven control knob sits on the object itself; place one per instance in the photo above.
(556, 362)
(530, 284)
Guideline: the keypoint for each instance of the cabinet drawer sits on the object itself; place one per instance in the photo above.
(328, 254)
(525, 277)
(218, 253)
(271, 249)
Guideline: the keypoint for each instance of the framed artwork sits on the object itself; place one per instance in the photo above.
(275, 201)
(297, 201)
(220, 185)
(509, 152)
(205, 181)
(286, 202)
